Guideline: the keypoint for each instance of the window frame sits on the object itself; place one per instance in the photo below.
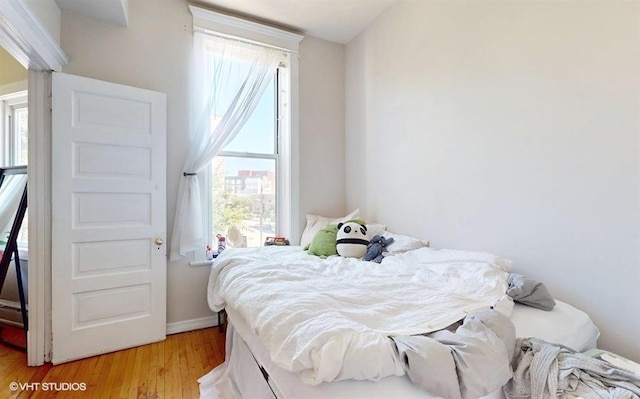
(288, 184)
(10, 154)
(9, 104)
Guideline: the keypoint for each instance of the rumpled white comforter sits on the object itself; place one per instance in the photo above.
(330, 319)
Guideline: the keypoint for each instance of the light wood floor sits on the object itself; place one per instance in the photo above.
(167, 369)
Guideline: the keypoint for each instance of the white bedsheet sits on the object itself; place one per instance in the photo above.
(564, 324)
(329, 319)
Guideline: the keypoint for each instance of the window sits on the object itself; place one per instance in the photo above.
(247, 148)
(243, 197)
(14, 132)
(14, 136)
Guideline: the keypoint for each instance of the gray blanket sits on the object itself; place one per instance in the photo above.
(466, 362)
(543, 370)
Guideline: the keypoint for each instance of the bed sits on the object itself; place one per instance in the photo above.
(304, 327)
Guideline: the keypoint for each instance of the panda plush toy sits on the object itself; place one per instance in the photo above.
(351, 239)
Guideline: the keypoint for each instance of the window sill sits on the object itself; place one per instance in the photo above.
(202, 263)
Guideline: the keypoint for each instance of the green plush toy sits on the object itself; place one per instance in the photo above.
(323, 243)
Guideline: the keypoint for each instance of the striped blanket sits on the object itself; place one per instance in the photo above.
(543, 371)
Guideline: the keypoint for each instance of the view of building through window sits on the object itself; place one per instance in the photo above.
(244, 200)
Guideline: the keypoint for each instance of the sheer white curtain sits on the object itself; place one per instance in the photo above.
(229, 78)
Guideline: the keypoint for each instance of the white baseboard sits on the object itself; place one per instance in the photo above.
(193, 324)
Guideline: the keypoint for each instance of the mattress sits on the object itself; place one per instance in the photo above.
(330, 319)
(248, 367)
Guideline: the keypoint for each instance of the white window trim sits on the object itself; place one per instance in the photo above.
(8, 104)
(244, 30)
(288, 177)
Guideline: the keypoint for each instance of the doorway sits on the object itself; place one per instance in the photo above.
(13, 152)
(24, 36)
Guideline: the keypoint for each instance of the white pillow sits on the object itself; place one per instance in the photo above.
(316, 223)
(403, 243)
(374, 229)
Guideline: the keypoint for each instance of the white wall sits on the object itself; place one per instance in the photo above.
(11, 71)
(321, 128)
(153, 53)
(510, 127)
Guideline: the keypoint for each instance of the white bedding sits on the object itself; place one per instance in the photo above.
(329, 319)
(239, 377)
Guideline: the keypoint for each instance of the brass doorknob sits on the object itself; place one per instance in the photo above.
(159, 241)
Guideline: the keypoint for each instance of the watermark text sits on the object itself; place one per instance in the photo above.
(47, 386)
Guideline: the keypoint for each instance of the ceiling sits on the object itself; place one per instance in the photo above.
(334, 20)
(111, 11)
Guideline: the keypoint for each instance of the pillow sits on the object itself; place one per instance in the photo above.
(324, 242)
(528, 291)
(315, 223)
(375, 229)
(403, 243)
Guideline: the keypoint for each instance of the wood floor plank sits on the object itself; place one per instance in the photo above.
(89, 375)
(167, 369)
(63, 384)
(192, 372)
(160, 372)
(204, 352)
(143, 372)
(17, 373)
(135, 375)
(128, 361)
(210, 339)
(184, 371)
(109, 386)
(176, 381)
(94, 379)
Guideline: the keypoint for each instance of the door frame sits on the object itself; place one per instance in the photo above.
(29, 42)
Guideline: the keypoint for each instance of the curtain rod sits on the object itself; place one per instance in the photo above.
(242, 40)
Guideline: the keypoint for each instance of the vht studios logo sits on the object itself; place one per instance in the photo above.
(47, 386)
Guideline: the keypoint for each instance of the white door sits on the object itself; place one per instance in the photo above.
(108, 217)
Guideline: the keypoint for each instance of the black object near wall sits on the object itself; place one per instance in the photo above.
(13, 206)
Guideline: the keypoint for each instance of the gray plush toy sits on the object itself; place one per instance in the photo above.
(377, 248)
